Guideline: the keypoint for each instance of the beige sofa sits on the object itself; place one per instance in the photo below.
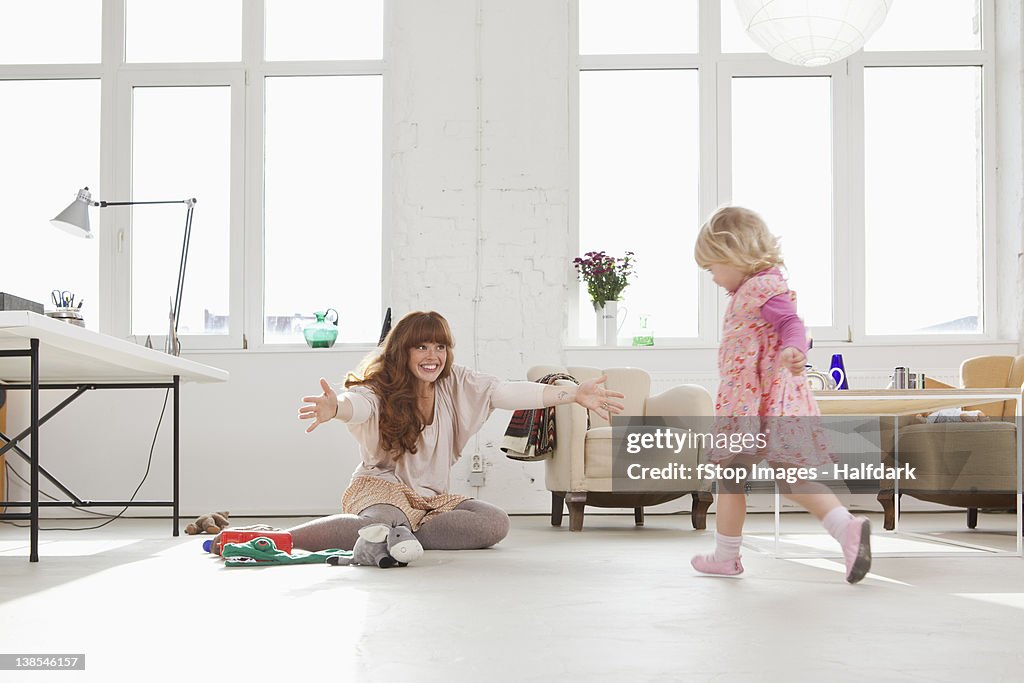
(580, 471)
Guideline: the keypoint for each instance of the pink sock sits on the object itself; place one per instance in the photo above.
(727, 547)
(836, 521)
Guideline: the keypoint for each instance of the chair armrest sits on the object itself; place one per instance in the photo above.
(564, 469)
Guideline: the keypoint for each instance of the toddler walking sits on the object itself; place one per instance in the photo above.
(764, 390)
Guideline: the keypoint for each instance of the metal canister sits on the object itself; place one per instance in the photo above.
(899, 377)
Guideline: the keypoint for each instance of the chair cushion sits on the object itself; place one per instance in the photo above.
(960, 456)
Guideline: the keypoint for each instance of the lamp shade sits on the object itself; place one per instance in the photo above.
(75, 218)
(811, 32)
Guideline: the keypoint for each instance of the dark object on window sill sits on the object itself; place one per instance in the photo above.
(9, 302)
(385, 328)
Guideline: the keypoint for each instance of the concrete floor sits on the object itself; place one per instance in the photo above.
(612, 603)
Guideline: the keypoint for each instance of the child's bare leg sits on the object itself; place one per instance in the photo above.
(852, 533)
(730, 513)
(814, 497)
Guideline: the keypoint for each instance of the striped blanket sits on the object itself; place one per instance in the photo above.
(531, 433)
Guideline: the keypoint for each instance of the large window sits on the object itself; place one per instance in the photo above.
(165, 121)
(639, 154)
(872, 171)
(323, 204)
(269, 114)
(50, 143)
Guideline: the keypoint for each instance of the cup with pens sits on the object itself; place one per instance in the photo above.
(66, 308)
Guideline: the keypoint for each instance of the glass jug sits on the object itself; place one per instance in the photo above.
(324, 332)
(645, 334)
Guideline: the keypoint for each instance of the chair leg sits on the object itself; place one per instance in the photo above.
(699, 509)
(887, 499)
(576, 501)
(557, 507)
(972, 518)
(638, 516)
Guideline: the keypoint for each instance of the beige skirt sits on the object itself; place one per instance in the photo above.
(366, 491)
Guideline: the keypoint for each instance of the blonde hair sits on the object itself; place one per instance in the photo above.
(739, 237)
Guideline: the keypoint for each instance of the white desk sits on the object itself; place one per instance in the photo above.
(39, 353)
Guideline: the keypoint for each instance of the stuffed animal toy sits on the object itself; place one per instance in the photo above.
(382, 545)
(210, 523)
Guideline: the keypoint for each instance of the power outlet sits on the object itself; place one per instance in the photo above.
(477, 464)
(476, 479)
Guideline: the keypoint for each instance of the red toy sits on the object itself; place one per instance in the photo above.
(282, 539)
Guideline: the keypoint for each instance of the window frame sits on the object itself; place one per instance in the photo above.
(849, 267)
(246, 80)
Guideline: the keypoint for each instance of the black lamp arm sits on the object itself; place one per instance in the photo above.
(191, 202)
(176, 304)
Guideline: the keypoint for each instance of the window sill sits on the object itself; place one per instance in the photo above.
(881, 342)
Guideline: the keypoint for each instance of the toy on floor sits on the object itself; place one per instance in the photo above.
(262, 551)
(281, 538)
(382, 545)
(210, 523)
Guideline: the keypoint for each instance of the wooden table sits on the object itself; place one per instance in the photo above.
(898, 402)
(63, 356)
(895, 402)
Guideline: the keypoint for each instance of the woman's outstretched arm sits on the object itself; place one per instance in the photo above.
(590, 394)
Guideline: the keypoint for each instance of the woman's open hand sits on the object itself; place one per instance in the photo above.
(320, 409)
(594, 396)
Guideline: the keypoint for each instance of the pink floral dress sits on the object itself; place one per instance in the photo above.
(757, 394)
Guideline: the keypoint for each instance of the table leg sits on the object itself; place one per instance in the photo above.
(896, 480)
(33, 553)
(1020, 520)
(174, 515)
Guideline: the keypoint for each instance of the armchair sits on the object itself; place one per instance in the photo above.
(579, 473)
(970, 465)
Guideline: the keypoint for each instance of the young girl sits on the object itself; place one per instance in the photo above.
(763, 390)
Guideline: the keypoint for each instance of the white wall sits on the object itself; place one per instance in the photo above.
(479, 177)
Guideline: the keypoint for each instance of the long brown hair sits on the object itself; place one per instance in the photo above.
(395, 386)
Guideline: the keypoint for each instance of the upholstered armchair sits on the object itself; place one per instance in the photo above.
(969, 465)
(579, 473)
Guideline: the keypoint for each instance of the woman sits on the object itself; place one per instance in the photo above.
(413, 412)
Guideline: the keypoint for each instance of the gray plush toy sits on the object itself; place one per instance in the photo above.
(382, 545)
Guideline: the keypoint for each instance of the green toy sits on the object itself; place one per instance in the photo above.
(263, 551)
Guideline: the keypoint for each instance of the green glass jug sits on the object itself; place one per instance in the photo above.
(324, 332)
(645, 335)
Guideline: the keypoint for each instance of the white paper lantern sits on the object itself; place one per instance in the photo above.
(811, 32)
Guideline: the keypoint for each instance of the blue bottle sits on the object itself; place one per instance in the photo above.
(838, 371)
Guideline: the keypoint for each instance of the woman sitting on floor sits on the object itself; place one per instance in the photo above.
(413, 412)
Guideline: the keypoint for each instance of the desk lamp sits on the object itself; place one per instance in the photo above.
(75, 220)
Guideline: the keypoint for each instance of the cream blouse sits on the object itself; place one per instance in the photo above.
(462, 403)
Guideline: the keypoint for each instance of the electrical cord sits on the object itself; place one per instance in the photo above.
(145, 476)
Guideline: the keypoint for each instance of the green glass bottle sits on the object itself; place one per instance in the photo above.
(323, 333)
(645, 335)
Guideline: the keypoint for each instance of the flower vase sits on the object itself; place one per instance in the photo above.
(599, 329)
(610, 320)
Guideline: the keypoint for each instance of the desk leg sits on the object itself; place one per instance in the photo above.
(176, 411)
(896, 480)
(1020, 520)
(33, 553)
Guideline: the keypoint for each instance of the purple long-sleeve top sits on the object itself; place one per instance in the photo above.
(780, 312)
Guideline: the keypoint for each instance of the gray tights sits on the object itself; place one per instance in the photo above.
(471, 525)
